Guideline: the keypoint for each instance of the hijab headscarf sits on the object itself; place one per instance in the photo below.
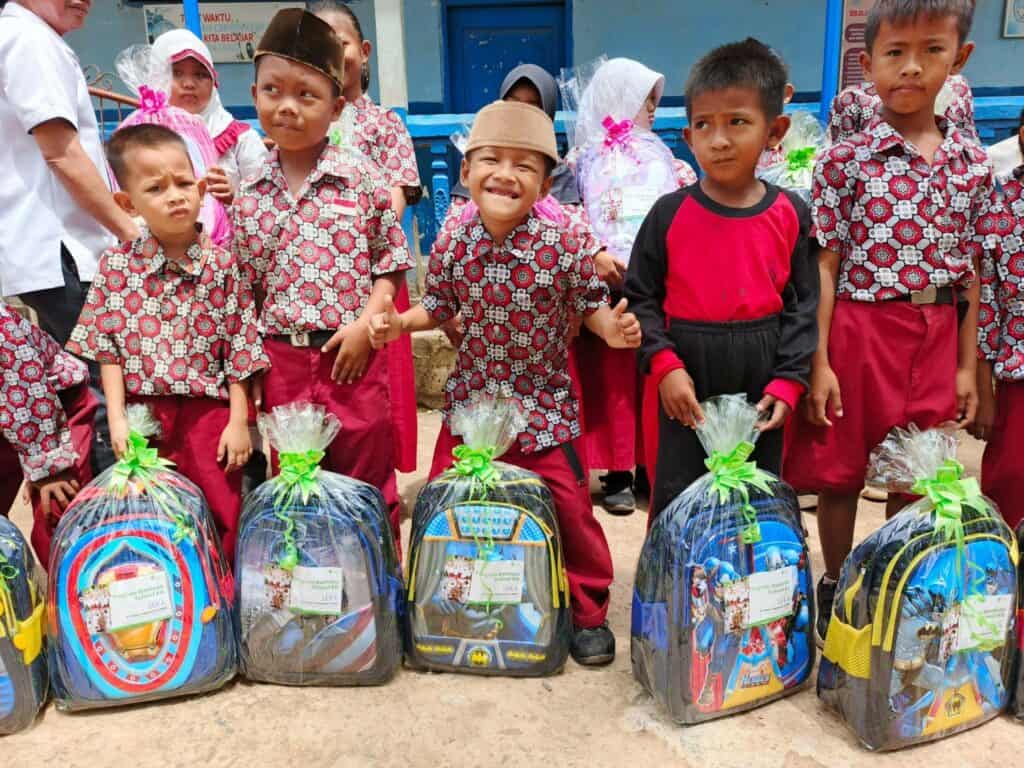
(618, 90)
(540, 79)
(176, 45)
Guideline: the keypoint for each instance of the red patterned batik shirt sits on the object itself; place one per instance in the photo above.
(898, 223)
(517, 300)
(313, 260)
(1001, 318)
(175, 328)
(34, 369)
(381, 135)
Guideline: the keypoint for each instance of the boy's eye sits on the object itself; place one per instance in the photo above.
(936, 49)
(153, 189)
(893, 52)
(739, 121)
(525, 168)
(700, 124)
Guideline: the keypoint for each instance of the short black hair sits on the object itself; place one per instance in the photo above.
(148, 135)
(746, 64)
(321, 8)
(335, 88)
(894, 11)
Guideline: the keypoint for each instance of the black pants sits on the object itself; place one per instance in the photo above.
(57, 311)
(722, 359)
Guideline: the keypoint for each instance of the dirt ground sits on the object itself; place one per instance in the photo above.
(582, 717)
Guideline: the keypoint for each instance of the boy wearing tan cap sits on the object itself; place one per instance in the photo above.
(518, 281)
(323, 246)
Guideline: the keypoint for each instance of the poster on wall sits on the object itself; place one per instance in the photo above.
(230, 30)
(1013, 21)
(855, 16)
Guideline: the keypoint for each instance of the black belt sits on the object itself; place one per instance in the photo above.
(311, 339)
(930, 295)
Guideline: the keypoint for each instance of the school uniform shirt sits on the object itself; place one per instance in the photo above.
(699, 261)
(313, 260)
(1001, 314)
(517, 299)
(41, 80)
(381, 135)
(33, 370)
(856, 107)
(898, 223)
(175, 328)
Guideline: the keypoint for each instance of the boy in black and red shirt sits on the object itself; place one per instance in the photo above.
(722, 277)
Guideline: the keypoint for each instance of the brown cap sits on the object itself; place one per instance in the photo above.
(299, 36)
(515, 125)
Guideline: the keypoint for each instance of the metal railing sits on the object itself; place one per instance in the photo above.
(101, 88)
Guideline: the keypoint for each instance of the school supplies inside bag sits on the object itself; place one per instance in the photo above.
(23, 682)
(487, 590)
(792, 162)
(722, 617)
(922, 639)
(319, 582)
(140, 599)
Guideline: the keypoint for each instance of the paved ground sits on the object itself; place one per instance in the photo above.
(584, 718)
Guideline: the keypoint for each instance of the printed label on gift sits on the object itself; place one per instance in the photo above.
(771, 595)
(984, 620)
(638, 201)
(497, 581)
(316, 591)
(139, 600)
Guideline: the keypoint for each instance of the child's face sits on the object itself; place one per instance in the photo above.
(910, 61)
(525, 92)
(645, 117)
(295, 104)
(191, 85)
(357, 52)
(505, 183)
(162, 188)
(728, 131)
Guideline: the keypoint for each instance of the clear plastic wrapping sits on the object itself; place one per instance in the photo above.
(922, 639)
(796, 156)
(140, 599)
(319, 582)
(722, 610)
(23, 682)
(487, 588)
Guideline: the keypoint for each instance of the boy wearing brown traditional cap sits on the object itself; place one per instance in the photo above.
(518, 280)
(323, 247)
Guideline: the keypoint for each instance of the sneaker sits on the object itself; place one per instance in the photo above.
(593, 647)
(826, 594)
(618, 493)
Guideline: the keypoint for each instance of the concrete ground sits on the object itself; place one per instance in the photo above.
(582, 717)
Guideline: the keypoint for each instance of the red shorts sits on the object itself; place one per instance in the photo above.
(896, 364)
(402, 391)
(588, 561)
(1002, 468)
(609, 402)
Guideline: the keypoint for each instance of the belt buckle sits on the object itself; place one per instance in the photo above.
(928, 296)
(300, 340)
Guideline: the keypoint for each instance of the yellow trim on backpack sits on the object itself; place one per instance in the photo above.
(849, 648)
(29, 635)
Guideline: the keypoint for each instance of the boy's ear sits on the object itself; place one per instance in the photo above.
(124, 202)
(545, 186)
(339, 105)
(962, 56)
(464, 172)
(367, 47)
(252, 90)
(865, 64)
(201, 184)
(777, 130)
(788, 95)
(686, 137)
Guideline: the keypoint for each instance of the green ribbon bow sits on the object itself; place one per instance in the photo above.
(800, 160)
(476, 464)
(139, 463)
(7, 571)
(950, 492)
(732, 473)
(299, 477)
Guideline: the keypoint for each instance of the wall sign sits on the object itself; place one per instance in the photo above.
(230, 30)
(855, 17)
(1013, 20)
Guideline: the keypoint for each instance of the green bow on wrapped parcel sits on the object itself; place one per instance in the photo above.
(298, 478)
(732, 473)
(476, 464)
(800, 160)
(950, 492)
(139, 463)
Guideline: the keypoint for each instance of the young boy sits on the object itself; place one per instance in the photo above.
(319, 238)
(518, 280)
(721, 275)
(46, 417)
(171, 323)
(896, 210)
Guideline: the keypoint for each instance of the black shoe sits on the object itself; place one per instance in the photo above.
(593, 647)
(826, 593)
(642, 483)
(618, 493)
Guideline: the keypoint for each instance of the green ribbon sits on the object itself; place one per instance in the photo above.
(732, 473)
(478, 465)
(950, 492)
(140, 463)
(299, 477)
(800, 160)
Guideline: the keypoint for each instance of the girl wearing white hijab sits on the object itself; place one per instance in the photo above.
(185, 62)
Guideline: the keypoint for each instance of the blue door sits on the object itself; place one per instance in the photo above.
(487, 39)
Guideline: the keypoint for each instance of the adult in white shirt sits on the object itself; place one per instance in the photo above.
(56, 211)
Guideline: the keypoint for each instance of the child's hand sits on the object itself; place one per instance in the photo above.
(218, 186)
(610, 269)
(985, 419)
(776, 410)
(679, 399)
(354, 346)
(966, 397)
(235, 446)
(625, 333)
(454, 329)
(386, 326)
(118, 424)
(60, 489)
(823, 394)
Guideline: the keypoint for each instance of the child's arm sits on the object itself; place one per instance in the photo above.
(967, 359)
(112, 379)
(353, 341)
(990, 325)
(618, 328)
(235, 444)
(388, 325)
(824, 391)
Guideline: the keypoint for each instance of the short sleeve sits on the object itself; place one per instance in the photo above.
(389, 249)
(439, 297)
(94, 336)
(588, 292)
(397, 153)
(832, 196)
(38, 78)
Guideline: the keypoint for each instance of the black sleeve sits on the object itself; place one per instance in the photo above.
(645, 277)
(798, 331)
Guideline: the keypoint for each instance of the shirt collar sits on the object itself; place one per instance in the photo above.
(884, 137)
(149, 250)
(333, 161)
(530, 225)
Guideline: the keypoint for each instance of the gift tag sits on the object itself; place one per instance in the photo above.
(984, 620)
(771, 595)
(139, 600)
(316, 591)
(638, 201)
(497, 581)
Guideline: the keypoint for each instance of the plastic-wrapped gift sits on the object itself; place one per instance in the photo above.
(319, 582)
(22, 661)
(922, 639)
(795, 157)
(722, 614)
(140, 599)
(487, 589)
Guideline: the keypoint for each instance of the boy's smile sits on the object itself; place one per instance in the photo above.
(505, 183)
(295, 103)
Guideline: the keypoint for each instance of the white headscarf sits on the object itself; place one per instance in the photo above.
(179, 44)
(618, 90)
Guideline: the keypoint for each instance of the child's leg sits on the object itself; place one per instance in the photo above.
(837, 513)
(1003, 463)
(10, 477)
(680, 462)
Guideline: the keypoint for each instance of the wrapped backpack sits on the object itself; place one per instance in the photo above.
(921, 642)
(318, 578)
(140, 598)
(22, 661)
(487, 586)
(794, 159)
(722, 620)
